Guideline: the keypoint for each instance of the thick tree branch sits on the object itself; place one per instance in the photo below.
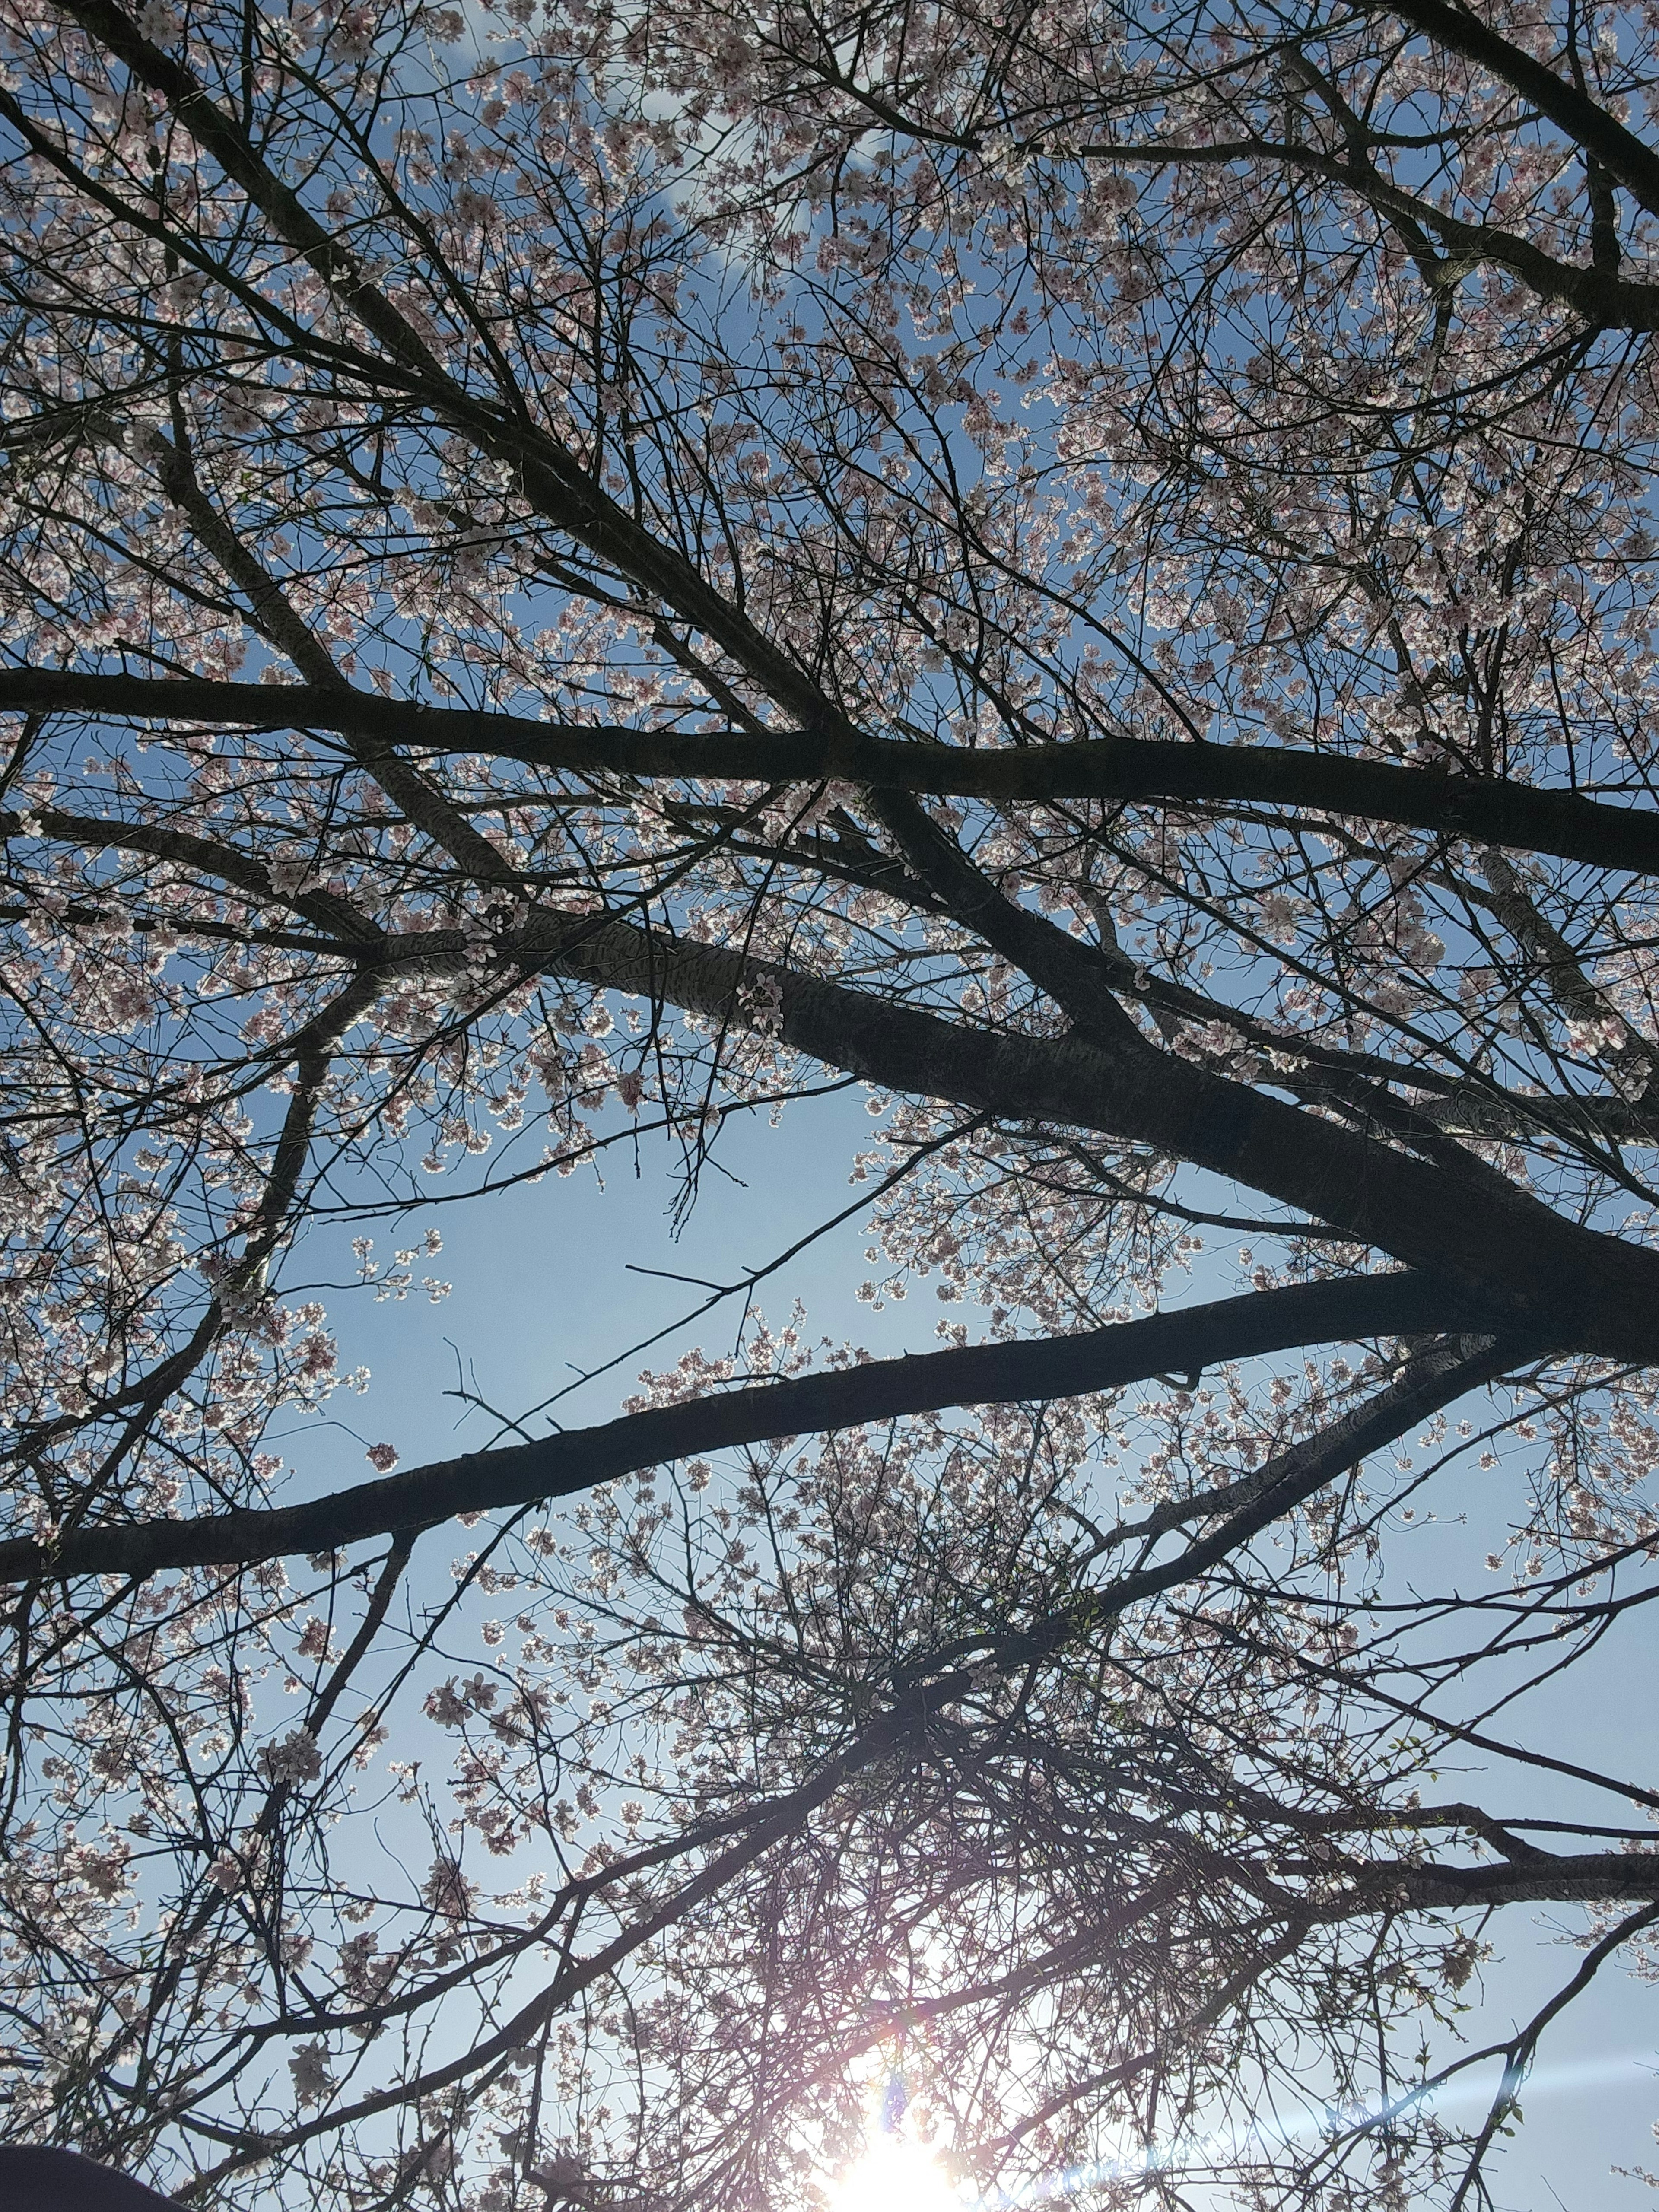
(1483, 1110)
(1571, 1286)
(878, 1390)
(1587, 1877)
(209, 856)
(1619, 152)
(1579, 1287)
(1517, 816)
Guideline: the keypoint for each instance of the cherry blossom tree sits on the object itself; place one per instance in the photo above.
(573, 573)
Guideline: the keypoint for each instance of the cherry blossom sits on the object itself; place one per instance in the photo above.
(574, 574)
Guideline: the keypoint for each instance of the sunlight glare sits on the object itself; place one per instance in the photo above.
(895, 2175)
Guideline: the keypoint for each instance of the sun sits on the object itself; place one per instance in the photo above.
(894, 2174)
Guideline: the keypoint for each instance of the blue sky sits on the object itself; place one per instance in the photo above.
(542, 1287)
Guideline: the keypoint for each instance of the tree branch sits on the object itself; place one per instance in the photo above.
(878, 1390)
(1517, 816)
(1567, 1285)
(1619, 151)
